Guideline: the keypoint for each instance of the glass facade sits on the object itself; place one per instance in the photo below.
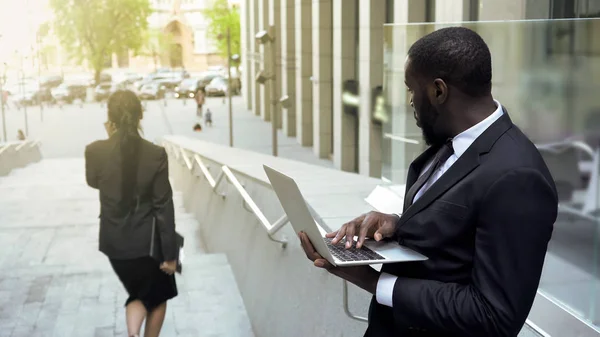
(547, 74)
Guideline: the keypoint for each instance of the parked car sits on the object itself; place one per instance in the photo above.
(102, 91)
(51, 82)
(217, 87)
(152, 90)
(32, 95)
(69, 92)
(188, 88)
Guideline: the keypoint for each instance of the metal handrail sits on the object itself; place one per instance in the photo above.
(4, 148)
(561, 146)
(205, 171)
(186, 160)
(536, 328)
(271, 228)
(20, 146)
(347, 307)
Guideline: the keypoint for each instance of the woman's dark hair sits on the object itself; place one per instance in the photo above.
(125, 111)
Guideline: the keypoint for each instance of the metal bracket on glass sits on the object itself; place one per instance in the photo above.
(347, 307)
(217, 182)
(271, 229)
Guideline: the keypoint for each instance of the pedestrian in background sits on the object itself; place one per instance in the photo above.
(21, 135)
(136, 213)
(208, 118)
(200, 94)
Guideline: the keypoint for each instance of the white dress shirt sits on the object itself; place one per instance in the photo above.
(460, 143)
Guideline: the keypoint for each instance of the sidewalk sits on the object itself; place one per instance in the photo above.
(250, 132)
(65, 132)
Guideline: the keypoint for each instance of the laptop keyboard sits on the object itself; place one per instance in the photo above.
(353, 253)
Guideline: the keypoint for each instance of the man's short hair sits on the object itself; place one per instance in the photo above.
(457, 55)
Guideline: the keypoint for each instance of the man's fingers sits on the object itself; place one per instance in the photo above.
(341, 233)
(350, 236)
(332, 234)
(322, 263)
(385, 231)
(309, 249)
(367, 225)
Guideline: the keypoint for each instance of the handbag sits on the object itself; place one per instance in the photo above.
(156, 251)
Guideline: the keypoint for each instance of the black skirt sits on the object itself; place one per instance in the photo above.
(144, 281)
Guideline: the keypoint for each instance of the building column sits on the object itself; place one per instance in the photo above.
(275, 21)
(322, 34)
(288, 65)
(246, 57)
(265, 64)
(452, 11)
(345, 30)
(371, 20)
(256, 57)
(304, 119)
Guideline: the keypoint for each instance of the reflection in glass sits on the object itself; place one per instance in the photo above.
(547, 75)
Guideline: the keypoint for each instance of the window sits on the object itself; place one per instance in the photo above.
(389, 11)
(473, 10)
(430, 10)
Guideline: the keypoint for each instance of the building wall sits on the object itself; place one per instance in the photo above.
(321, 44)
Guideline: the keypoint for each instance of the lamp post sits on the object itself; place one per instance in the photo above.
(229, 89)
(230, 107)
(22, 90)
(39, 66)
(2, 102)
(268, 38)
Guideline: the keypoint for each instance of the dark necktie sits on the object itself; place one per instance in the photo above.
(440, 157)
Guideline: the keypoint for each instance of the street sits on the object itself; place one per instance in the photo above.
(65, 132)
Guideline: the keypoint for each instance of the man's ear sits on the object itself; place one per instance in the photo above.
(441, 91)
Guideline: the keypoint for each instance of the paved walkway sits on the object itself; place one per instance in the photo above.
(65, 132)
(54, 282)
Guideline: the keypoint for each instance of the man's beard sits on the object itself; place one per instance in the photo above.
(427, 119)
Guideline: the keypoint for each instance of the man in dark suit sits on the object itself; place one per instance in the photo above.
(480, 203)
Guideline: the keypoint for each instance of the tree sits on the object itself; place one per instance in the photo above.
(93, 30)
(157, 45)
(220, 17)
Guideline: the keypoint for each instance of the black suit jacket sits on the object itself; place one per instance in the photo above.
(485, 226)
(130, 237)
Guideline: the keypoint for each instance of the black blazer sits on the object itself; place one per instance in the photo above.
(130, 237)
(485, 226)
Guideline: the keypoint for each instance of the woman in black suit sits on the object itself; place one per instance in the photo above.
(136, 213)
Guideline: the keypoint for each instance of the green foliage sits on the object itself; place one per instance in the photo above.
(220, 17)
(93, 30)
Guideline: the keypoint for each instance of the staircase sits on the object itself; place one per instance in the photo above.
(55, 282)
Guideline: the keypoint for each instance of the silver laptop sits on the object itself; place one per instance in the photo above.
(372, 252)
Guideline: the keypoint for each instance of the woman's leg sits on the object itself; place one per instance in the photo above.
(135, 313)
(155, 320)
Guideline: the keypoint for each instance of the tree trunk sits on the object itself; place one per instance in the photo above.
(97, 73)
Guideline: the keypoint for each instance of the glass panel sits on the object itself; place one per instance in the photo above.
(547, 75)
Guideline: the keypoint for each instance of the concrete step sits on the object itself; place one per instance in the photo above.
(61, 285)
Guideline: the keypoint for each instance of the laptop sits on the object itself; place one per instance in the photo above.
(372, 252)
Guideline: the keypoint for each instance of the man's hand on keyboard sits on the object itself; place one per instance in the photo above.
(364, 277)
(370, 225)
